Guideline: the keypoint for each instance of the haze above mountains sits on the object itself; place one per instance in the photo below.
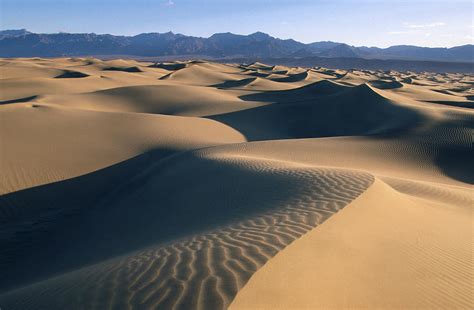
(22, 43)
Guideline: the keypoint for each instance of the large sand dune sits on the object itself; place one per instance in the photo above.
(197, 185)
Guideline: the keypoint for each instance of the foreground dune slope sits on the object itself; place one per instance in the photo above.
(398, 252)
(197, 185)
(199, 254)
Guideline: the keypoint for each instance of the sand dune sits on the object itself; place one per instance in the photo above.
(321, 116)
(101, 139)
(167, 99)
(353, 261)
(292, 77)
(205, 269)
(198, 185)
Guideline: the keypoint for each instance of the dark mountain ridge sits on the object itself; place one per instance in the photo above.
(22, 43)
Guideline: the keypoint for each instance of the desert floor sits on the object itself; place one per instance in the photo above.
(197, 185)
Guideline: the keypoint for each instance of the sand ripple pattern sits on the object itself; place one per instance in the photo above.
(205, 270)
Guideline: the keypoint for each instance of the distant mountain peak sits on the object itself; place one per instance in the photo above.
(260, 35)
(13, 32)
(224, 35)
(340, 50)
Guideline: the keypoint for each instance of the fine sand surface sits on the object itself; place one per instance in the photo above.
(197, 185)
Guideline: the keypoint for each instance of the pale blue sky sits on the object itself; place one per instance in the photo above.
(365, 22)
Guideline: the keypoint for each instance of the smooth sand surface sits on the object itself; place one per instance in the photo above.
(198, 185)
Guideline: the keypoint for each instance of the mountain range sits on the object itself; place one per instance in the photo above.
(22, 43)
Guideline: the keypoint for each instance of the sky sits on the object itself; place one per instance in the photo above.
(381, 23)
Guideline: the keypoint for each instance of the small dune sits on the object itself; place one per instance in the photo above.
(293, 77)
(202, 75)
(238, 83)
(260, 66)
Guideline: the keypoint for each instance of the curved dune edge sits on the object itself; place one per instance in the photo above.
(107, 140)
(404, 253)
(204, 270)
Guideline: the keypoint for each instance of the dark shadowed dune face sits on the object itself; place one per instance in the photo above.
(124, 69)
(199, 185)
(169, 66)
(258, 73)
(306, 92)
(26, 99)
(71, 75)
(386, 84)
(238, 83)
(323, 109)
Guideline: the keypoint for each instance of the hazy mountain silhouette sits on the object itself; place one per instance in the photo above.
(22, 43)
